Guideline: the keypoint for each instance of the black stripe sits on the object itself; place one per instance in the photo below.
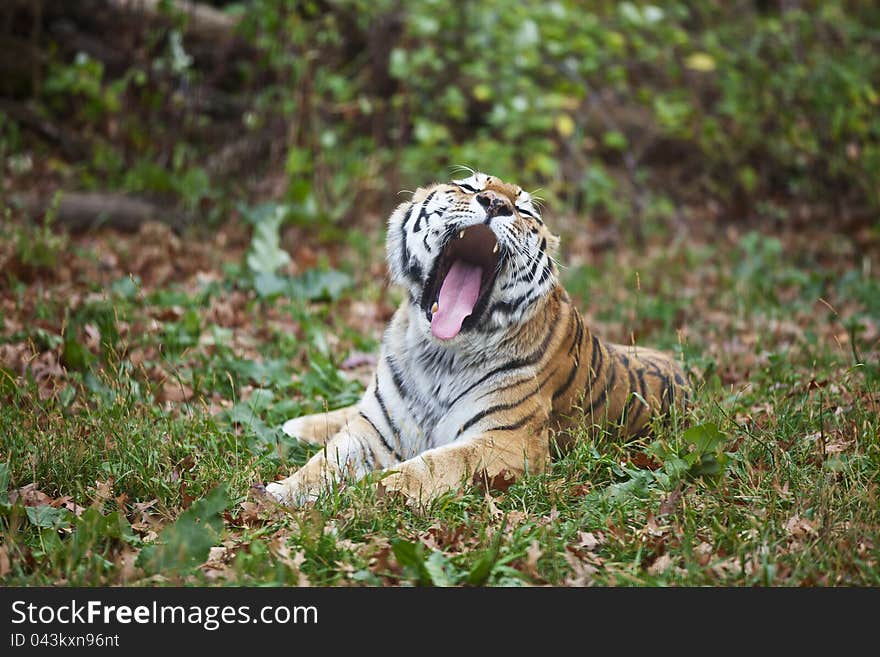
(653, 368)
(519, 363)
(502, 407)
(665, 385)
(670, 394)
(640, 374)
(423, 212)
(530, 274)
(404, 251)
(644, 404)
(369, 458)
(595, 367)
(465, 187)
(626, 413)
(579, 334)
(394, 430)
(511, 306)
(568, 381)
(516, 425)
(414, 271)
(609, 384)
(395, 376)
(545, 274)
(576, 366)
(526, 212)
(381, 435)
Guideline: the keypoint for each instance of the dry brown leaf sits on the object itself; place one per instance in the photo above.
(102, 491)
(5, 565)
(358, 359)
(590, 541)
(494, 511)
(837, 446)
(216, 553)
(68, 503)
(800, 527)
(703, 553)
(670, 503)
(174, 391)
(530, 565)
(581, 571)
(661, 564)
(30, 495)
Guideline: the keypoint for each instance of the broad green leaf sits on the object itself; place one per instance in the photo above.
(75, 356)
(320, 285)
(265, 255)
(704, 437)
(186, 543)
(48, 516)
(436, 566)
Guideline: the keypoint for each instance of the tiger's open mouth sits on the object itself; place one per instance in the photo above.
(458, 289)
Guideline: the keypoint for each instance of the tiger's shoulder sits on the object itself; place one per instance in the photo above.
(605, 384)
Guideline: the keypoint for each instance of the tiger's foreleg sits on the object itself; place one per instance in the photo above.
(347, 456)
(486, 456)
(317, 429)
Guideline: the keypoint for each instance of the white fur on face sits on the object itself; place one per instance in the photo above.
(419, 230)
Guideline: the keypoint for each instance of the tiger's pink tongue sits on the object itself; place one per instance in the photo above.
(458, 295)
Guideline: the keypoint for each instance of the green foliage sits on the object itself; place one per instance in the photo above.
(37, 247)
(752, 102)
(186, 543)
(698, 453)
(265, 257)
(556, 94)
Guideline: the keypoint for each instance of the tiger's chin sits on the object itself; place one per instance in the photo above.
(462, 280)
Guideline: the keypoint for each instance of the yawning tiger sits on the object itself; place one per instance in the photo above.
(485, 364)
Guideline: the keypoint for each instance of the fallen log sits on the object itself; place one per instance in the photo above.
(205, 22)
(27, 116)
(80, 211)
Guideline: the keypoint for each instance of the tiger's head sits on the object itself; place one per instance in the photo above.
(474, 255)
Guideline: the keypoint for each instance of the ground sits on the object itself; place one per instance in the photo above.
(144, 378)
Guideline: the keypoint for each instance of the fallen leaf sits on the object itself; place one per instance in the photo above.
(30, 495)
(703, 553)
(102, 491)
(589, 541)
(358, 359)
(837, 446)
(70, 505)
(5, 565)
(670, 502)
(530, 565)
(174, 391)
(800, 527)
(497, 483)
(581, 571)
(216, 553)
(661, 564)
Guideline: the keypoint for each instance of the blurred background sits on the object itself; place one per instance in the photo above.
(628, 112)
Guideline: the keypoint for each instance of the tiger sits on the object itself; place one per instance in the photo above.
(486, 366)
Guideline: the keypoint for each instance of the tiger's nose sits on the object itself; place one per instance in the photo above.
(497, 205)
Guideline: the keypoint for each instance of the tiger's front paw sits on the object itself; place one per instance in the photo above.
(279, 491)
(411, 488)
(289, 494)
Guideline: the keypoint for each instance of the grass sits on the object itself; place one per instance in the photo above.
(137, 411)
